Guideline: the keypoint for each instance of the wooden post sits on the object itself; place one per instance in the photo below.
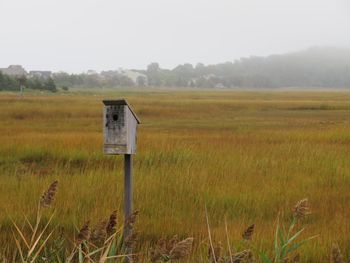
(127, 198)
(128, 185)
(21, 90)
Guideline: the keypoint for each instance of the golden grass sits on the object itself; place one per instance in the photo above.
(246, 156)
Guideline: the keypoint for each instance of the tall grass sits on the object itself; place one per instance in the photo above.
(248, 156)
(105, 244)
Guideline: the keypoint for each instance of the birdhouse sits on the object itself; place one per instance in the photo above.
(120, 127)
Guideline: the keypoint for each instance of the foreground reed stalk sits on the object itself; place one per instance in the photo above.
(30, 248)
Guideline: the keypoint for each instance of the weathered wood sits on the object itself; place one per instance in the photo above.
(119, 128)
(131, 131)
(115, 130)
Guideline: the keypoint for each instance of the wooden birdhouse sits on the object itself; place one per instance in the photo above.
(120, 127)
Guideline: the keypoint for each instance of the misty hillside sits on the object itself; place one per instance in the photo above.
(315, 67)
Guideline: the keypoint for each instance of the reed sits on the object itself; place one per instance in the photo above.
(102, 244)
(336, 255)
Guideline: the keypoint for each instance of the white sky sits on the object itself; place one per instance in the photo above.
(77, 35)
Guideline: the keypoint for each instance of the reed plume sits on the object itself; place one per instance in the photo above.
(301, 209)
(248, 233)
(131, 240)
(336, 255)
(243, 256)
(181, 249)
(130, 221)
(112, 223)
(99, 232)
(159, 251)
(172, 249)
(49, 195)
(171, 243)
(84, 233)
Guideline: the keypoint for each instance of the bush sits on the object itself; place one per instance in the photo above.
(50, 85)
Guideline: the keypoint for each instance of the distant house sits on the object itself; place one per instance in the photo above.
(138, 78)
(219, 86)
(14, 70)
(40, 74)
(109, 73)
(91, 72)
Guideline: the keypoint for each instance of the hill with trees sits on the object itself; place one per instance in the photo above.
(314, 67)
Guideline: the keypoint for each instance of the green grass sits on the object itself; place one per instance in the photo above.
(246, 155)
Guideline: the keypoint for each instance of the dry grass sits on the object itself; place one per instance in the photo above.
(247, 156)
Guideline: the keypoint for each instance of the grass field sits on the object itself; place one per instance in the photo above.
(248, 156)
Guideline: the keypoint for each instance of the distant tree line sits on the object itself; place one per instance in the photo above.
(104, 79)
(13, 83)
(315, 67)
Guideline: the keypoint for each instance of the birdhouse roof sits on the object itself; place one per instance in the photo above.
(121, 102)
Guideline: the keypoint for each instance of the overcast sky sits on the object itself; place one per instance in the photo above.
(77, 35)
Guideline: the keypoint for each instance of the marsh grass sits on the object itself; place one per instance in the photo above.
(247, 155)
(104, 243)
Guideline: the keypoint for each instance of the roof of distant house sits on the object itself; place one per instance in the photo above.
(40, 72)
(14, 70)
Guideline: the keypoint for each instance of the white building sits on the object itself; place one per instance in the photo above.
(138, 78)
(40, 74)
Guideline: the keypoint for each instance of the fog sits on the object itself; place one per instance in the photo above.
(78, 35)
